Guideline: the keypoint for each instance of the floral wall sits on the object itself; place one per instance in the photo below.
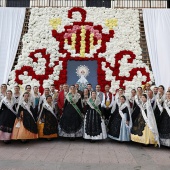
(57, 35)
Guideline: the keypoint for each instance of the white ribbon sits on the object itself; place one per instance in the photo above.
(27, 107)
(122, 115)
(152, 123)
(124, 105)
(9, 105)
(137, 100)
(49, 108)
(159, 106)
(167, 108)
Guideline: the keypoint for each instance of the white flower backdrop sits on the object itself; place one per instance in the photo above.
(126, 37)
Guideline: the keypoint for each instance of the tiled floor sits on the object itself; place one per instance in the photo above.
(62, 154)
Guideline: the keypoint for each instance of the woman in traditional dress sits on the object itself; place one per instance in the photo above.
(7, 116)
(120, 121)
(47, 122)
(151, 98)
(132, 102)
(71, 121)
(28, 89)
(84, 98)
(138, 97)
(43, 97)
(36, 96)
(164, 126)
(16, 95)
(137, 101)
(3, 91)
(25, 126)
(144, 128)
(160, 98)
(94, 126)
(118, 95)
(36, 99)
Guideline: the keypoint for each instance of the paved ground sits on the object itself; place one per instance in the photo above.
(62, 154)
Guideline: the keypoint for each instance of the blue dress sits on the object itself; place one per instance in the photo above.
(118, 129)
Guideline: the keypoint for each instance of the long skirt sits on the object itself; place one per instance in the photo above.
(71, 124)
(164, 129)
(20, 132)
(41, 133)
(94, 126)
(123, 130)
(146, 138)
(7, 119)
(5, 135)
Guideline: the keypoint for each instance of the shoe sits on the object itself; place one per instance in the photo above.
(7, 141)
(92, 141)
(24, 141)
(72, 139)
(49, 139)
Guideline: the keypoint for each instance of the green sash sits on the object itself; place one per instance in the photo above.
(95, 107)
(74, 105)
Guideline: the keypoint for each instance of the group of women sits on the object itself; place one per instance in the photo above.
(143, 117)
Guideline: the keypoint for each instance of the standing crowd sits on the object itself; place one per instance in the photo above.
(144, 117)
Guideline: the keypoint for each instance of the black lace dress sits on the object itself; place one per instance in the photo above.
(29, 122)
(94, 126)
(50, 123)
(138, 122)
(7, 119)
(117, 127)
(164, 128)
(71, 123)
(157, 114)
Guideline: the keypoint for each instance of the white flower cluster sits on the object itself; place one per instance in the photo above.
(39, 36)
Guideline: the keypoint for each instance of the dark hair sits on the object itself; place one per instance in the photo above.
(85, 89)
(93, 91)
(82, 96)
(52, 85)
(25, 93)
(89, 84)
(27, 86)
(123, 97)
(144, 95)
(17, 86)
(8, 91)
(48, 97)
(4, 85)
(139, 88)
(150, 90)
(133, 90)
(47, 88)
(162, 87)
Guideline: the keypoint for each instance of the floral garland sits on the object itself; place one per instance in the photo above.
(111, 37)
